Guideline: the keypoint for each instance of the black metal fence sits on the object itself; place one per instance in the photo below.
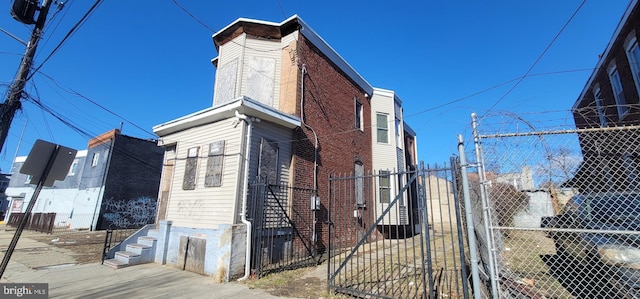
(40, 222)
(283, 234)
(396, 235)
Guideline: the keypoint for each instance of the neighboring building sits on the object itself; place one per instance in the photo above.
(111, 184)
(610, 98)
(394, 150)
(287, 109)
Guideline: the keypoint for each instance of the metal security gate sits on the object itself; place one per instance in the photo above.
(557, 213)
(396, 235)
(283, 235)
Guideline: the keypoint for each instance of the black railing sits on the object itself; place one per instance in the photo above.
(113, 237)
(283, 229)
(40, 222)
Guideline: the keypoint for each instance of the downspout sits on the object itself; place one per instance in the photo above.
(303, 71)
(245, 194)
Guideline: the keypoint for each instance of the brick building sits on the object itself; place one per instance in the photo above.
(609, 101)
(111, 184)
(287, 109)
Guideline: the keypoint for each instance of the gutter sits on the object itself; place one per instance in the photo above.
(245, 194)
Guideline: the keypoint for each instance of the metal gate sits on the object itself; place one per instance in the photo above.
(283, 235)
(396, 235)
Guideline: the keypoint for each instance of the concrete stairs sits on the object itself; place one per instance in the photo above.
(141, 252)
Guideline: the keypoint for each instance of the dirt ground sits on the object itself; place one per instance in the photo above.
(86, 246)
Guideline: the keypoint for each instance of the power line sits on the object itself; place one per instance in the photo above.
(539, 57)
(73, 92)
(192, 16)
(67, 36)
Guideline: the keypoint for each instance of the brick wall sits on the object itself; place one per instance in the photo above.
(328, 109)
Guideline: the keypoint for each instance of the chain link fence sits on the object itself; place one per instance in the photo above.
(557, 213)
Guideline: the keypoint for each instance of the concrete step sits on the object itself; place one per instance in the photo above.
(115, 264)
(128, 257)
(152, 233)
(146, 240)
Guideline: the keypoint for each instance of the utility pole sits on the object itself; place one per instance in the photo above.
(12, 103)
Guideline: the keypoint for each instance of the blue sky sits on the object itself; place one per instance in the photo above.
(148, 62)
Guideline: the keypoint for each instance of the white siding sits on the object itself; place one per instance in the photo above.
(205, 207)
(386, 156)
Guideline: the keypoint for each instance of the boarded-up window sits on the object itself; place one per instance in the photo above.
(191, 169)
(268, 169)
(359, 192)
(226, 83)
(261, 79)
(213, 176)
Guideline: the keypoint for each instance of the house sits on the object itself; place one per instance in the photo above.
(394, 150)
(609, 102)
(111, 184)
(287, 110)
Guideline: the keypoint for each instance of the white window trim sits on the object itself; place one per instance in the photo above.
(379, 128)
(72, 169)
(614, 79)
(630, 45)
(95, 159)
(597, 97)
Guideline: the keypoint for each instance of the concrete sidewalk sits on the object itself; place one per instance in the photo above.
(37, 262)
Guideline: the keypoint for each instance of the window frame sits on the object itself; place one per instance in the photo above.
(380, 129)
(384, 190)
(358, 113)
(597, 97)
(632, 50)
(73, 167)
(95, 159)
(617, 89)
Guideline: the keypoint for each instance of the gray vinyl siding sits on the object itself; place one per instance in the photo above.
(206, 207)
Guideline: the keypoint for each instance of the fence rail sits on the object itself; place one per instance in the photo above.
(557, 213)
(402, 239)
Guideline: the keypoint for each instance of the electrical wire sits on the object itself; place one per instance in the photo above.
(67, 36)
(537, 59)
(192, 16)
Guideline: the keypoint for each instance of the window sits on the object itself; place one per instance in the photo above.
(630, 169)
(398, 135)
(29, 177)
(213, 176)
(618, 94)
(597, 95)
(359, 186)
(633, 55)
(95, 159)
(358, 114)
(268, 168)
(382, 127)
(384, 182)
(191, 169)
(73, 168)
